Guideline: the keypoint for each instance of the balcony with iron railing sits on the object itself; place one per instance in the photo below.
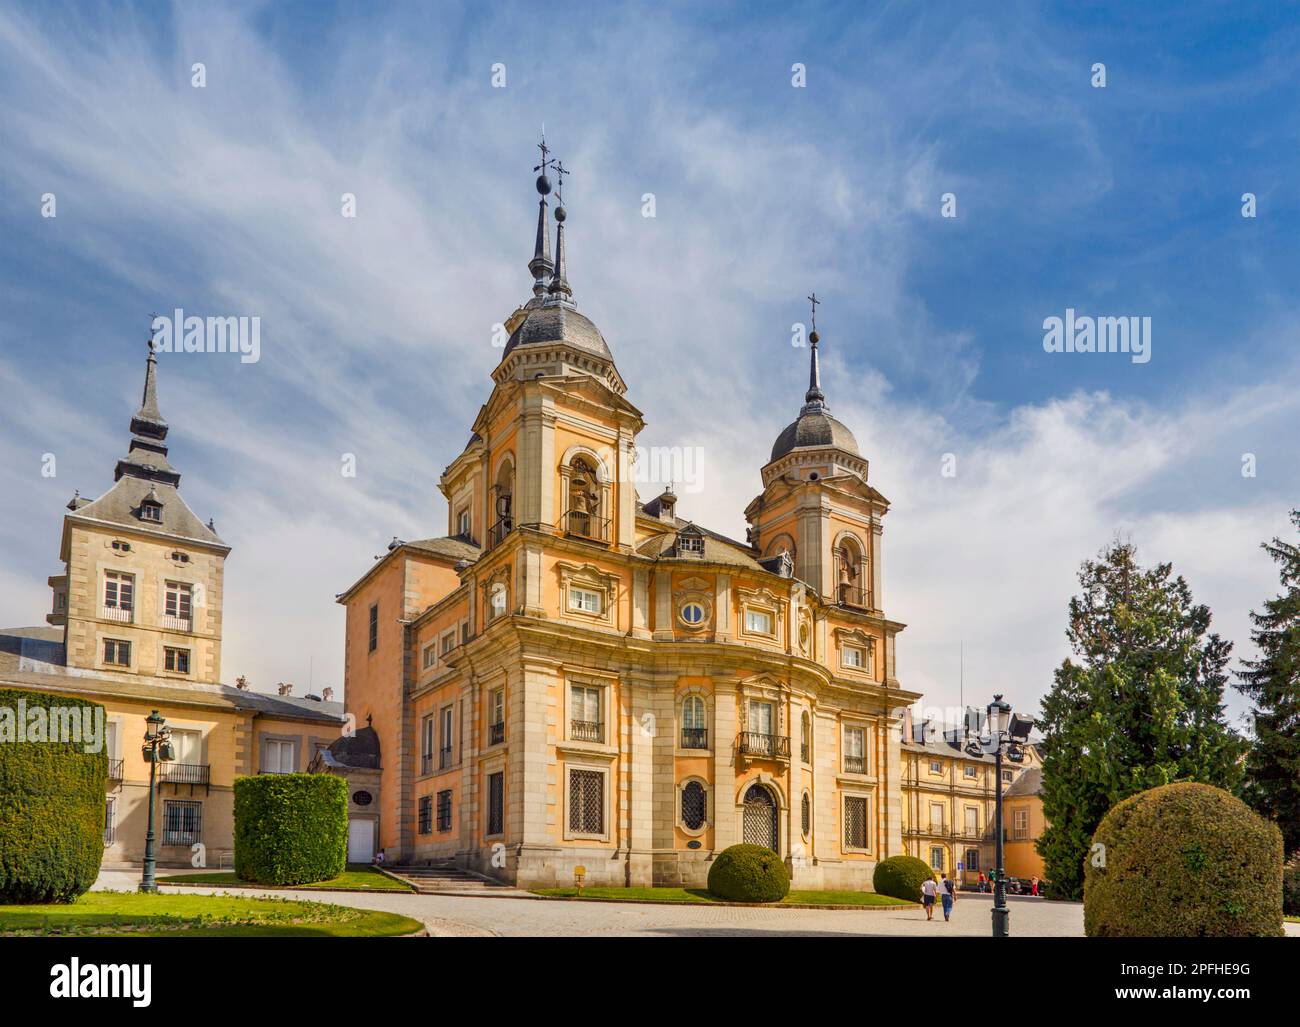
(586, 526)
(695, 738)
(496, 733)
(500, 530)
(196, 775)
(763, 746)
(587, 730)
(121, 614)
(176, 623)
(115, 770)
(854, 595)
(444, 759)
(855, 764)
(426, 763)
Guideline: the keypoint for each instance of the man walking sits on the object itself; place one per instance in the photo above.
(948, 893)
(928, 891)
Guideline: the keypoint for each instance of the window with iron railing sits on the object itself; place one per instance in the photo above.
(496, 803)
(753, 743)
(855, 822)
(695, 737)
(426, 814)
(496, 733)
(584, 525)
(444, 810)
(587, 730)
(110, 826)
(182, 821)
(586, 801)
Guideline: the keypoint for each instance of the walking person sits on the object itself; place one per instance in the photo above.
(983, 882)
(928, 891)
(1033, 886)
(948, 893)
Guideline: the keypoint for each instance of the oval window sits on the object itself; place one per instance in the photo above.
(692, 613)
(361, 798)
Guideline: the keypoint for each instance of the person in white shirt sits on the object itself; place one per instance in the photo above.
(928, 891)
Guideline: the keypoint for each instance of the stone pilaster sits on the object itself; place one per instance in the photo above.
(726, 827)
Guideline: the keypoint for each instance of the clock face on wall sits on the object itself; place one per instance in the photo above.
(361, 798)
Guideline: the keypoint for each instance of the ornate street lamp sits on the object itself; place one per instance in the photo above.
(1005, 733)
(157, 749)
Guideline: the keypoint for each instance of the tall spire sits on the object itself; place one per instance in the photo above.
(814, 398)
(541, 265)
(559, 288)
(148, 420)
(147, 454)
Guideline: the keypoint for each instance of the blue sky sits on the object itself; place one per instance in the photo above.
(1123, 200)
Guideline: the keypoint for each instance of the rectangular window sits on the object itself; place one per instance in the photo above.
(279, 757)
(936, 857)
(586, 802)
(182, 822)
(446, 722)
(936, 767)
(426, 744)
(936, 816)
(119, 591)
(760, 622)
(447, 643)
(463, 523)
(117, 653)
(110, 826)
(972, 859)
(374, 627)
(176, 660)
(970, 771)
(444, 810)
(854, 656)
(177, 601)
(496, 716)
(464, 633)
(972, 822)
(585, 599)
(1006, 776)
(496, 803)
(428, 656)
(585, 723)
(760, 717)
(855, 822)
(189, 747)
(855, 751)
(426, 814)
(1020, 824)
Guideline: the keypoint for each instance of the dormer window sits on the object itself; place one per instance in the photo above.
(690, 544)
(151, 510)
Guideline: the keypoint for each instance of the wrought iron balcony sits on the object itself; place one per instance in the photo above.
(444, 759)
(115, 770)
(496, 733)
(500, 530)
(587, 730)
(426, 762)
(695, 738)
(192, 774)
(579, 524)
(773, 747)
(855, 764)
(853, 595)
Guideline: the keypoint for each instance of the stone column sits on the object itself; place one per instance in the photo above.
(641, 602)
(663, 605)
(726, 829)
(722, 608)
(639, 754)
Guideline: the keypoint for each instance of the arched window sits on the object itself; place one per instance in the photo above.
(503, 502)
(759, 819)
(582, 517)
(694, 805)
(497, 596)
(851, 573)
(695, 732)
(805, 814)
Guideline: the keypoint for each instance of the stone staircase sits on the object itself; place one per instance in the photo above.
(442, 877)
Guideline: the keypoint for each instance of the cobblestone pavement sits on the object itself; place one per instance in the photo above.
(512, 914)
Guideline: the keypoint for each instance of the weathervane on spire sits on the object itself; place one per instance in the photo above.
(153, 344)
(544, 183)
(814, 301)
(560, 171)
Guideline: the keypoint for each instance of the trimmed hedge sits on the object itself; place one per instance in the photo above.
(290, 828)
(1291, 886)
(749, 873)
(51, 804)
(901, 877)
(1184, 860)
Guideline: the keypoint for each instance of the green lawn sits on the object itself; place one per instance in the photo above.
(134, 914)
(354, 878)
(701, 896)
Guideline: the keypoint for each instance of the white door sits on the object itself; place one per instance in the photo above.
(361, 841)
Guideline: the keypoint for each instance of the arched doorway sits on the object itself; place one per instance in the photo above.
(760, 818)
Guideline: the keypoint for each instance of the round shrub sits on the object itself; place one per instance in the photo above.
(749, 873)
(1291, 886)
(51, 798)
(1183, 860)
(901, 877)
(290, 828)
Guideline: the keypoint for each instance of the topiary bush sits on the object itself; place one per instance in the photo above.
(901, 877)
(1183, 860)
(1291, 886)
(290, 828)
(749, 873)
(51, 799)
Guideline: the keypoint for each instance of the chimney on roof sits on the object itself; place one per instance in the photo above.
(327, 694)
(285, 688)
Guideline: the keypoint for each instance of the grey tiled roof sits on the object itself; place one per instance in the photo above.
(452, 546)
(33, 658)
(1028, 783)
(814, 428)
(549, 324)
(119, 505)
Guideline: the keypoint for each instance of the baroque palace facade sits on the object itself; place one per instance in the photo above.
(136, 626)
(571, 677)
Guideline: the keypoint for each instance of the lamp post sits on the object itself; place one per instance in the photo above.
(157, 749)
(1004, 733)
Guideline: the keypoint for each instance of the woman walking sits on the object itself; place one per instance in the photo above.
(928, 891)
